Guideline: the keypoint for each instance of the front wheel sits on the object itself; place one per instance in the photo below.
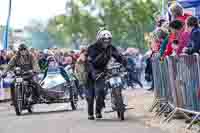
(120, 115)
(18, 100)
(30, 109)
(73, 99)
(117, 102)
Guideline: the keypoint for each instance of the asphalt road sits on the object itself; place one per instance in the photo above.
(58, 118)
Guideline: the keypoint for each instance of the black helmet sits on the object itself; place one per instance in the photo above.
(22, 47)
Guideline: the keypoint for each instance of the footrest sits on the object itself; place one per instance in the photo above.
(111, 111)
(129, 108)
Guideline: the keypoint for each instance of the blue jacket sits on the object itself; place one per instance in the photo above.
(194, 43)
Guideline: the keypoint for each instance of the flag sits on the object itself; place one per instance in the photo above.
(5, 41)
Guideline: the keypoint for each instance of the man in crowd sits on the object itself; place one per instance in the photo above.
(194, 43)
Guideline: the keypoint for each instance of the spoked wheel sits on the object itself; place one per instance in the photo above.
(18, 100)
(118, 102)
(73, 99)
(30, 109)
(120, 115)
(74, 104)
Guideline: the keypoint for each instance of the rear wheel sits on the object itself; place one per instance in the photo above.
(120, 115)
(18, 100)
(30, 109)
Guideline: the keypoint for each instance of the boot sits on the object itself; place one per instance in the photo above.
(99, 116)
(91, 117)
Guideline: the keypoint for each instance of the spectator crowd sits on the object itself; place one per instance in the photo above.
(174, 35)
(180, 34)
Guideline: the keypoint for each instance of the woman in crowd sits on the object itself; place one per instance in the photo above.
(3, 58)
(81, 72)
(178, 35)
(194, 43)
(67, 60)
(177, 13)
(171, 42)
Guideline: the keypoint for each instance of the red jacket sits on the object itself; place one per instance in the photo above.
(183, 38)
(184, 17)
(169, 50)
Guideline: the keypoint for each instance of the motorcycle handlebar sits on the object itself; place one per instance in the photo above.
(114, 67)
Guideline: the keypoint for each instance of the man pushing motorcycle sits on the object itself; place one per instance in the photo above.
(98, 56)
(27, 63)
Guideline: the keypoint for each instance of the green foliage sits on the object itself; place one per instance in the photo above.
(127, 19)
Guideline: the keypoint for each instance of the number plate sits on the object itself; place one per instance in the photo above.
(19, 79)
(115, 81)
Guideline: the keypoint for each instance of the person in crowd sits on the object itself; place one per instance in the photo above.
(10, 54)
(171, 42)
(160, 22)
(131, 73)
(157, 37)
(177, 13)
(194, 43)
(67, 60)
(43, 64)
(80, 71)
(3, 58)
(98, 56)
(149, 72)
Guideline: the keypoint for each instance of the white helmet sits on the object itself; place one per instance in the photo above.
(104, 34)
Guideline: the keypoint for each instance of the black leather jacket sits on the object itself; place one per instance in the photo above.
(98, 58)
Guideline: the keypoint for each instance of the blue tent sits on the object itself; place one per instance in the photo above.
(189, 3)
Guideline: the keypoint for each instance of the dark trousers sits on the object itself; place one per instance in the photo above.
(96, 91)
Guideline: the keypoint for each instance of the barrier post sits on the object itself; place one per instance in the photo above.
(2, 91)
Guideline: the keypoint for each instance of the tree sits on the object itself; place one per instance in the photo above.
(127, 19)
(38, 37)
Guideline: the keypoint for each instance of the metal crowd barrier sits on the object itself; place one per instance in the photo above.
(4, 91)
(4, 88)
(176, 84)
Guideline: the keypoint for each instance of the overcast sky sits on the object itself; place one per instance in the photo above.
(25, 10)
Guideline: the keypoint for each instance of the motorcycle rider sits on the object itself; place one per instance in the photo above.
(98, 57)
(26, 62)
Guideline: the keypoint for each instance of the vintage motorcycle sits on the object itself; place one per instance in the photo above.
(62, 92)
(114, 83)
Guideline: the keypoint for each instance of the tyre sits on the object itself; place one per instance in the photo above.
(73, 105)
(120, 115)
(118, 103)
(73, 99)
(30, 110)
(18, 100)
